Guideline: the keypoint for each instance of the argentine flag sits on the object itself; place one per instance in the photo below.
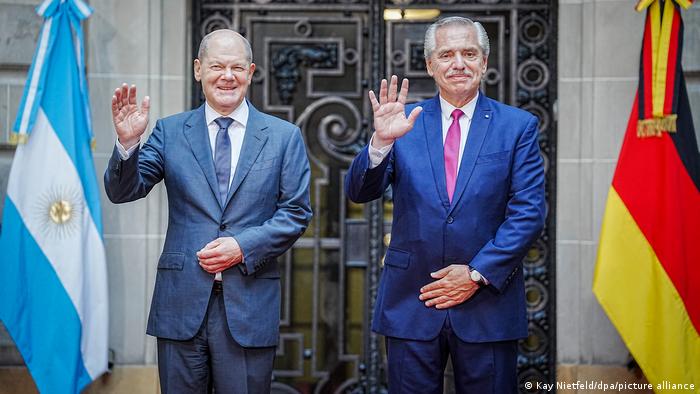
(53, 280)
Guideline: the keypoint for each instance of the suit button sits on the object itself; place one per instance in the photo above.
(222, 227)
(450, 219)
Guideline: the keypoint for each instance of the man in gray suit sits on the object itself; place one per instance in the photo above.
(238, 196)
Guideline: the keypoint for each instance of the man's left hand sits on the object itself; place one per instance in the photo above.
(452, 287)
(220, 254)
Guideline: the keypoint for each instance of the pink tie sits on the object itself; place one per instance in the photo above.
(452, 152)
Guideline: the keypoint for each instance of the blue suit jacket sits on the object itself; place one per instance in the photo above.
(266, 211)
(497, 211)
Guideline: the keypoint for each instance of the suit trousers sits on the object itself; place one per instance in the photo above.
(479, 368)
(212, 359)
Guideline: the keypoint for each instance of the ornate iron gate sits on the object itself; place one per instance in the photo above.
(315, 61)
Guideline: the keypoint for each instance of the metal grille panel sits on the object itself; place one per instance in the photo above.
(315, 61)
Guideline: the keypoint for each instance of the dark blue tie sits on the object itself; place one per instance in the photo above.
(222, 157)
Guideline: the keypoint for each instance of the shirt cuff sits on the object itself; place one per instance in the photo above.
(124, 153)
(486, 281)
(483, 278)
(241, 266)
(376, 156)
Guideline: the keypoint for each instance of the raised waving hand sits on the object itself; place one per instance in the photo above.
(390, 121)
(130, 121)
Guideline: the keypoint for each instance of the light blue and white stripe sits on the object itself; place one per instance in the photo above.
(53, 279)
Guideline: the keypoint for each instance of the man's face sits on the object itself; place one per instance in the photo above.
(224, 72)
(457, 64)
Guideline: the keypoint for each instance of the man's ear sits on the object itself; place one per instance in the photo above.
(429, 66)
(197, 67)
(251, 71)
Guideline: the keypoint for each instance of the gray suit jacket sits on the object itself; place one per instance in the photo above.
(266, 211)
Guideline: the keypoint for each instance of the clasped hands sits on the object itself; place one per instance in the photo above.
(220, 254)
(452, 286)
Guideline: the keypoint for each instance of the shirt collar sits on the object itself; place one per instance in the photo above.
(240, 114)
(468, 108)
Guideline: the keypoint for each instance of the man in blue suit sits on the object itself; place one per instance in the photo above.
(238, 196)
(468, 187)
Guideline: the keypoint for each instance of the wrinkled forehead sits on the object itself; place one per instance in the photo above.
(225, 56)
(456, 33)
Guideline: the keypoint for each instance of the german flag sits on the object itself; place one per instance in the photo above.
(647, 275)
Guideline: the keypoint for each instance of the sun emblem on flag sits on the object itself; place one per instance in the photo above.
(59, 211)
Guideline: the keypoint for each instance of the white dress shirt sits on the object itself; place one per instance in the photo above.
(236, 132)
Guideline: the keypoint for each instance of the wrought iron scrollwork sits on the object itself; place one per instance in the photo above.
(315, 60)
(332, 127)
(535, 93)
(286, 63)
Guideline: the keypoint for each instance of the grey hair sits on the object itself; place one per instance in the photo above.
(204, 44)
(482, 37)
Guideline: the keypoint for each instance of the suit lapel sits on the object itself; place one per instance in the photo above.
(477, 133)
(253, 141)
(432, 124)
(196, 133)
